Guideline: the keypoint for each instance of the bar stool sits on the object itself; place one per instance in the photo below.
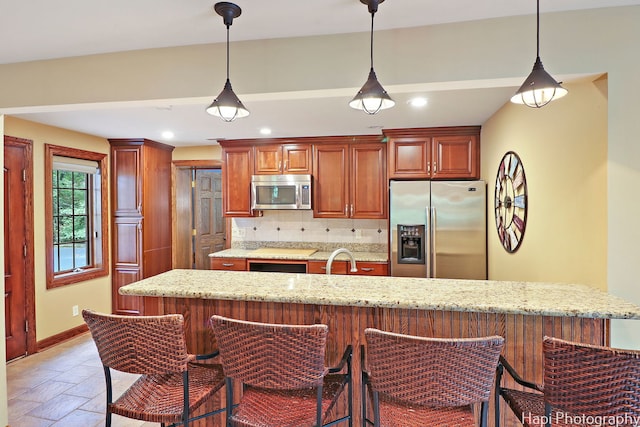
(582, 384)
(416, 382)
(171, 385)
(285, 382)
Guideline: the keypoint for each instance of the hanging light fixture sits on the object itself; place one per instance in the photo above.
(539, 88)
(372, 97)
(227, 106)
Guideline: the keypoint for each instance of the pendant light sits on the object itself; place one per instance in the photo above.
(227, 106)
(372, 97)
(539, 88)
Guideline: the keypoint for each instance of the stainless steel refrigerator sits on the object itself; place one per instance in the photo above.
(438, 229)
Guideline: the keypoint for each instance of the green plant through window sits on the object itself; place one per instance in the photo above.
(71, 220)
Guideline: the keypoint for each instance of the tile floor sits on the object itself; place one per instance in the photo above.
(63, 386)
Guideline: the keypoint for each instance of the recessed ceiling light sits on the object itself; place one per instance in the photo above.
(418, 102)
(167, 134)
(265, 131)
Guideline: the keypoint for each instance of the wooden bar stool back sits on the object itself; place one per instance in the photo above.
(171, 385)
(582, 384)
(283, 373)
(416, 381)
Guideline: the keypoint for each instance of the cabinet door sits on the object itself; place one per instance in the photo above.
(126, 169)
(409, 157)
(330, 181)
(320, 267)
(268, 159)
(127, 263)
(231, 264)
(456, 156)
(297, 158)
(236, 177)
(368, 177)
(372, 269)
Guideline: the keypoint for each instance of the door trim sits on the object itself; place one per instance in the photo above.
(29, 269)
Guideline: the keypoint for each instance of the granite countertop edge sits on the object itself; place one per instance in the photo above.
(479, 296)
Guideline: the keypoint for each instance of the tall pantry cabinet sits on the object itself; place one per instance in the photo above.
(141, 216)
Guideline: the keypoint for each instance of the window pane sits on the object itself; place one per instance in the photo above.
(81, 254)
(55, 230)
(80, 229)
(66, 257)
(79, 202)
(65, 230)
(79, 180)
(65, 179)
(65, 202)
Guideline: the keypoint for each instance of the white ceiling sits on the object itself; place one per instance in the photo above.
(45, 29)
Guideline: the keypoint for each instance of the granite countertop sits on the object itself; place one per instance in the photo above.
(316, 256)
(482, 296)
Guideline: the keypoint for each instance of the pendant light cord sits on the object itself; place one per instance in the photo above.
(227, 53)
(371, 44)
(538, 29)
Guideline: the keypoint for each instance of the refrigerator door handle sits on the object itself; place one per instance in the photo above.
(432, 232)
(427, 247)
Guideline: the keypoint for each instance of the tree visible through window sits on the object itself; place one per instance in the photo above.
(76, 211)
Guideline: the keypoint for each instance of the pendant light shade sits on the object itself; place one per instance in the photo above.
(539, 88)
(227, 105)
(372, 97)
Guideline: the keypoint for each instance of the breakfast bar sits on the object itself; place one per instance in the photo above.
(523, 313)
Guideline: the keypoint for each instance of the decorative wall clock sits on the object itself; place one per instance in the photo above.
(511, 201)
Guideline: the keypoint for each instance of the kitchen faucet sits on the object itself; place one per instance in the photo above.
(341, 251)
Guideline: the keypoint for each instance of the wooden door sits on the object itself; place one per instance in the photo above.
(456, 157)
(127, 263)
(19, 286)
(209, 222)
(268, 159)
(237, 168)
(331, 181)
(409, 157)
(297, 158)
(126, 190)
(368, 181)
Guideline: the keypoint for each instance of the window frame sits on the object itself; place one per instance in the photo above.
(100, 266)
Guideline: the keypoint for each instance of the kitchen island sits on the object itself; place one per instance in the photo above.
(521, 312)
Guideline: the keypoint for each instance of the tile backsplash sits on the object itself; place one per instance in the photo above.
(300, 226)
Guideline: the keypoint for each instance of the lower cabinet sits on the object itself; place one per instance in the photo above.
(365, 268)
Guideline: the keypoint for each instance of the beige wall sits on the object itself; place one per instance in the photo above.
(4, 420)
(53, 306)
(209, 152)
(563, 148)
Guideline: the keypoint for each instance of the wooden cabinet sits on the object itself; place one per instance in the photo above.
(237, 168)
(276, 159)
(350, 180)
(141, 216)
(230, 264)
(343, 267)
(434, 153)
(372, 269)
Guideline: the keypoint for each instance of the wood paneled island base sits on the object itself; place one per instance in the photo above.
(523, 313)
(523, 333)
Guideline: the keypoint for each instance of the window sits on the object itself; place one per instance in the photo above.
(75, 208)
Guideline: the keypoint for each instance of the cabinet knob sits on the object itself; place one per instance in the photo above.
(227, 264)
(366, 268)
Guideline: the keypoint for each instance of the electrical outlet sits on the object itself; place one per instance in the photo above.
(358, 234)
(74, 310)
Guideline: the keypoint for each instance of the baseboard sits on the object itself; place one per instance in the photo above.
(62, 336)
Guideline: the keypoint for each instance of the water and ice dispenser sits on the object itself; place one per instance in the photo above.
(411, 243)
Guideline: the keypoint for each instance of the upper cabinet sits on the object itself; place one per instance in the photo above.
(434, 153)
(276, 159)
(237, 168)
(350, 179)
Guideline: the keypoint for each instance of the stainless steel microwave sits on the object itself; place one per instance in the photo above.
(280, 192)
